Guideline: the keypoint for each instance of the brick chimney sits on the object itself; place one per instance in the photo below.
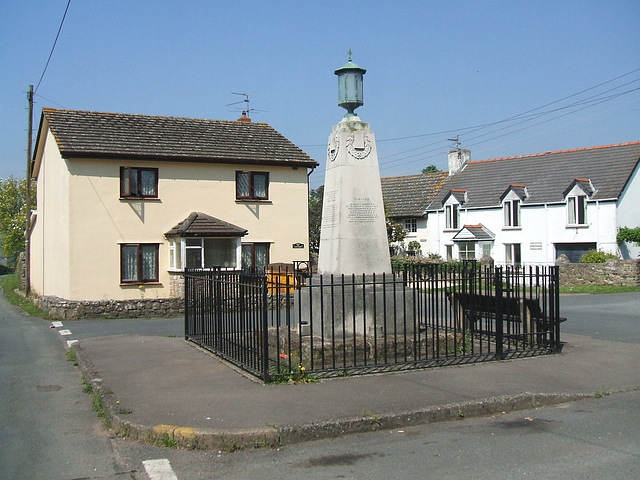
(244, 118)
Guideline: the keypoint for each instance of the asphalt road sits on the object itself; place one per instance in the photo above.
(51, 432)
(608, 317)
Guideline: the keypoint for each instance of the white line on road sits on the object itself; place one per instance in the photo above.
(64, 332)
(159, 469)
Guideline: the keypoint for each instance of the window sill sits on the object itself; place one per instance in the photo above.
(451, 230)
(584, 225)
(138, 284)
(150, 199)
(252, 200)
(512, 228)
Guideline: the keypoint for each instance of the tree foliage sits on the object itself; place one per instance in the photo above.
(395, 230)
(13, 195)
(315, 217)
(430, 169)
(626, 234)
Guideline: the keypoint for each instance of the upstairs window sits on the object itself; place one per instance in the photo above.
(411, 225)
(252, 185)
(577, 210)
(511, 210)
(452, 213)
(138, 182)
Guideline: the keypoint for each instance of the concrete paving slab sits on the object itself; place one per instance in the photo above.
(154, 385)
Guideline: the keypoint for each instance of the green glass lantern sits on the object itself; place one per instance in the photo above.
(350, 86)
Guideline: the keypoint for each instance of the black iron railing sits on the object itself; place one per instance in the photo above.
(286, 323)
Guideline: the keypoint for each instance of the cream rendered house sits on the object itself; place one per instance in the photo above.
(126, 202)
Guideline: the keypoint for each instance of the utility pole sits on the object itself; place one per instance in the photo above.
(27, 241)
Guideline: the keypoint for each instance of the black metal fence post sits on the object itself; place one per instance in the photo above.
(265, 331)
(499, 326)
(554, 298)
(187, 302)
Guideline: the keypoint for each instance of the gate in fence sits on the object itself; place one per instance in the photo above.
(282, 325)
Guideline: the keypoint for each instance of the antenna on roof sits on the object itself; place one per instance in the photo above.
(246, 109)
(456, 140)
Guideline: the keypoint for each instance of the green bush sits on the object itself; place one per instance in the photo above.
(4, 270)
(597, 256)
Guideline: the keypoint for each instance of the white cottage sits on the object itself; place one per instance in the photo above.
(533, 208)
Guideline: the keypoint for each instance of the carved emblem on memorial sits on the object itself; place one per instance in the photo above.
(359, 148)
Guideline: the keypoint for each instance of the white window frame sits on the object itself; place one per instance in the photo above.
(178, 252)
(511, 213)
(452, 216)
(513, 253)
(576, 208)
(411, 225)
(463, 254)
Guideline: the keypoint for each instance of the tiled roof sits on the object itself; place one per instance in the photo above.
(118, 135)
(409, 195)
(474, 232)
(201, 225)
(546, 175)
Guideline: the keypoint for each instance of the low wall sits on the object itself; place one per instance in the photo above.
(613, 272)
(75, 310)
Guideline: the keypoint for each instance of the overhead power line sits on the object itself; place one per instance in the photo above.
(54, 45)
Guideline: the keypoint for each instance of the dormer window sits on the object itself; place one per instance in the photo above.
(452, 202)
(511, 200)
(576, 196)
(577, 210)
(452, 214)
(511, 211)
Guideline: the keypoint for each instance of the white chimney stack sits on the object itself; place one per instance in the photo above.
(458, 158)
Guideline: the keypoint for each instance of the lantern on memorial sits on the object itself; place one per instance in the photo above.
(350, 86)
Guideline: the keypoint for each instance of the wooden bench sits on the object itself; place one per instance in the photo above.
(471, 308)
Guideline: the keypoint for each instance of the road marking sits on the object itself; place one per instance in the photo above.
(56, 324)
(64, 332)
(159, 469)
(71, 342)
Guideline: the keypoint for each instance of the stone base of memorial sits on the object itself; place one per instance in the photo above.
(338, 309)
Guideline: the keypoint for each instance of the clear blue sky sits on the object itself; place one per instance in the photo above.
(434, 69)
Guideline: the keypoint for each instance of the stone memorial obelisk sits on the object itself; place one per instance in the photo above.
(354, 292)
(353, 236)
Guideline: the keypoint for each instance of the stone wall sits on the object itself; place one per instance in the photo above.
(74, 310)
(613, 272)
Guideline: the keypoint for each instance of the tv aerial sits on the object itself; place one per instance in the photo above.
(247, 109)
(456, 141)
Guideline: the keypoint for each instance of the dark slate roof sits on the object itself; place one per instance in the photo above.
(474, 232)
(545, 175)
(201, 225)
(409, 195)
(146, 137)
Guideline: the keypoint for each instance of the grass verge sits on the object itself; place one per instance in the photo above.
(598, 289)
(10, 283)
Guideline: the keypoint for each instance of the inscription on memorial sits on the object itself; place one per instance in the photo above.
(361, 210)
(329, 209)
